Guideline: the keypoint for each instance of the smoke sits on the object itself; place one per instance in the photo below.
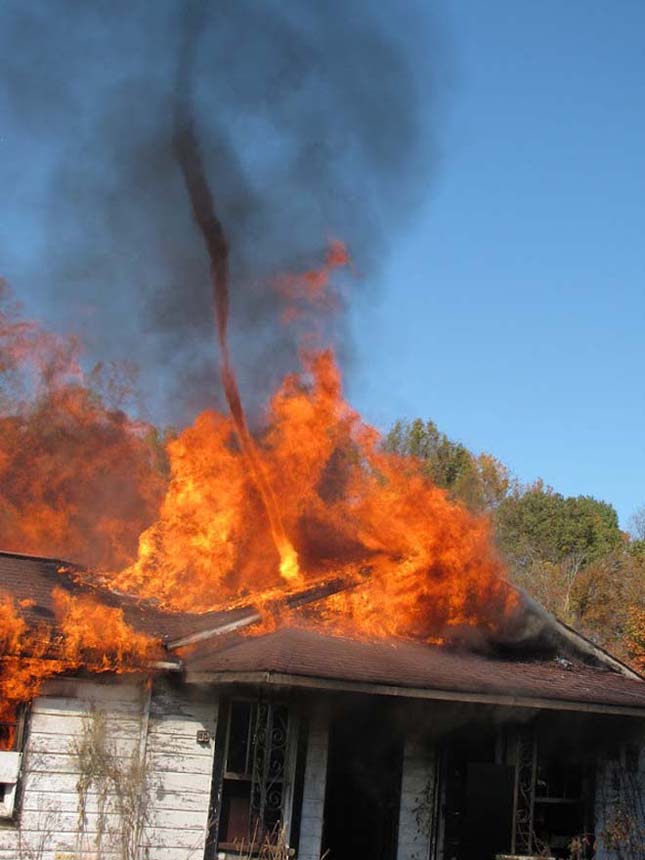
(312, 122)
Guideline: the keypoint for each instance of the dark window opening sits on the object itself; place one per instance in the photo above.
(562, 814)
(253, 782)
(9, 735)
(12, 735)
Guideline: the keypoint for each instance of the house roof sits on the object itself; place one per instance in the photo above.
(307, 657)
(303, 657)
(30, 580)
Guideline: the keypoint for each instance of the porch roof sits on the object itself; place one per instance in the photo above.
(308, 658)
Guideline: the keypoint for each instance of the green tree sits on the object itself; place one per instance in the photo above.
(550, 540)
(537, 522)
(479, 481)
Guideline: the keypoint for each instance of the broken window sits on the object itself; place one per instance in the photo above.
(254, 772)
(11, 740)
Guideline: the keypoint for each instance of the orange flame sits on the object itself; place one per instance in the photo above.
(347, 504)
(87, 635)
(79, 478)
(310, 497)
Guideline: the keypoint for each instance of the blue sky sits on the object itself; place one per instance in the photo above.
(513, 313)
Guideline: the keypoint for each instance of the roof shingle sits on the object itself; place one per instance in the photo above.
(308, 653)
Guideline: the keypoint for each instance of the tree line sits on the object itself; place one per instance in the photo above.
(568, 552)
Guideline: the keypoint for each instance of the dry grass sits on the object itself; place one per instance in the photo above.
(122, 788)
(270, 846)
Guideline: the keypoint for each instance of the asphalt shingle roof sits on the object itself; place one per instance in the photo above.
(30, 580)
(311, 654)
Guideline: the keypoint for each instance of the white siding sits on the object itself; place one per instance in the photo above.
(178, 767)
(313, 799)
(181, 769)
(49, 819)
(417, 801)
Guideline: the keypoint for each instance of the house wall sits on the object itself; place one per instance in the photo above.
(173, 786)
(159, 727)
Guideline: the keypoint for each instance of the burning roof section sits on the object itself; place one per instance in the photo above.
(546, 665)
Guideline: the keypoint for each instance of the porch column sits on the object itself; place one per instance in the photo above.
(313, 796)
(416, 813)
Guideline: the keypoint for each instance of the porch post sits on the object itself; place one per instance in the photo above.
(417, 810)
(313, 796)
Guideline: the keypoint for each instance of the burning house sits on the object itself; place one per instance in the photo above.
(285, 641)
(354, 746)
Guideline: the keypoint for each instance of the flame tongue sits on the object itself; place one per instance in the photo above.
(213, 232)
(289, 568)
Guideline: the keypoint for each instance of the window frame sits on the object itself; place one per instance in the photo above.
(223, 776)
(11, 762)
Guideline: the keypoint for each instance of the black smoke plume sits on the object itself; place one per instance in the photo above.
(312, 121)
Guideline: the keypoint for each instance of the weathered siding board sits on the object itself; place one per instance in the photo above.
(36, 801)
(178, 769)
(417, 800)
(313, 798)
(49, 819)
(180, 763)
(69, 726)
(42, 743)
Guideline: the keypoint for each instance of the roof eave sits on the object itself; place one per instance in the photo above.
(284, 679)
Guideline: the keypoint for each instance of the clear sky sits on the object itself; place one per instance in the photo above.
(513, 314)
(512, 310)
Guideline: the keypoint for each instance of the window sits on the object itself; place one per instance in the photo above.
(254, 776)
(11, 738)
(563, 801)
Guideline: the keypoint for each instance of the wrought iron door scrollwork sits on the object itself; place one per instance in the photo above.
(270, 734)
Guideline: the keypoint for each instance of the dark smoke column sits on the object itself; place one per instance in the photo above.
(201, 200)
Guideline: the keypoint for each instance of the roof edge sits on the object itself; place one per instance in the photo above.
(7, 553)
(504, 699)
